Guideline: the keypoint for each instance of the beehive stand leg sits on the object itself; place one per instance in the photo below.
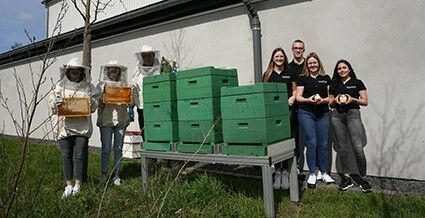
(268, 191)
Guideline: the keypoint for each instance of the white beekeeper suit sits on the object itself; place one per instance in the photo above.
(112, 115)
(142, 71)
(74, 126)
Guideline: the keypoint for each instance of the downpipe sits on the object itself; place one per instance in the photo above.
(255, 23)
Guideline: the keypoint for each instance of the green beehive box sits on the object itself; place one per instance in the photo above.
(196, 131)
(204, 82)
(160, 111)
(256, 131)
(195, 148)
(254, 101)
(244, 150)
(156, 146)
(159, 88)
(161, 131)
(199, 109)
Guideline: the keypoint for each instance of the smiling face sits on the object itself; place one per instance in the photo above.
(313, 65)
(278, 59)
(298, 50)
(343, 70)
(114, 73)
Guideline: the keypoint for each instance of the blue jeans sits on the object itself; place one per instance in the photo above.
(316, 131)
(106, 139)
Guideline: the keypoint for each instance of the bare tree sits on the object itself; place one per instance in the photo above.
(178, 49)
(90, 16)
(29, 100)
(15, 45)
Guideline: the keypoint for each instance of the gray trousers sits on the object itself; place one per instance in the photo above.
(74, 147)
(348, 125)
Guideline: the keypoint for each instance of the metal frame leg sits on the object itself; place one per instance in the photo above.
(293, 180)
(268, 191)
(144, 171)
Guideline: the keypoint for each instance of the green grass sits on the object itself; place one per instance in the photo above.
(195, 195)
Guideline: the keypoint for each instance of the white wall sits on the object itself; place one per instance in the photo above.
(384, 41)
(73, 19)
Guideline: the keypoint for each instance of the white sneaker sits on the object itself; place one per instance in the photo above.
(311, 181)
(76, 190)
(327, 178)
(68, 191)
(319, 175)
(285, 180)
(117, 181)
(277, 180)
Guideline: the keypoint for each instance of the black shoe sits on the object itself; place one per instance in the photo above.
(345, 184)
(364, 184)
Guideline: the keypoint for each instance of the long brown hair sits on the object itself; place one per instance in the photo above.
(305, 68)
(270, 67)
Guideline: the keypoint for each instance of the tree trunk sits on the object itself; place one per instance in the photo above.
(87, 37)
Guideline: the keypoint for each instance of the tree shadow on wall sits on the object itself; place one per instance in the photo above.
(395, 137)
(396, 149)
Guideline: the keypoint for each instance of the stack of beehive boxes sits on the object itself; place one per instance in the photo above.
(160, 112)
(198, 107)
(254, 116)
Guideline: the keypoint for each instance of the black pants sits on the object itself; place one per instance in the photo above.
(141, 121)
(299, 138)
(74, 147)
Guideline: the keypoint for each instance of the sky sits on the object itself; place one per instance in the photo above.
(16, 16)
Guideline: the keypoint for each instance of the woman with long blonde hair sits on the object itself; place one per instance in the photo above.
(313, 97)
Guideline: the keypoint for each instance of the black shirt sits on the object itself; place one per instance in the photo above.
(351, 87)
(295, 70)
(283, 77)
(312, 86)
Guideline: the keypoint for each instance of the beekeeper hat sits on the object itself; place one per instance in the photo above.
(75, 63)
(113, 63)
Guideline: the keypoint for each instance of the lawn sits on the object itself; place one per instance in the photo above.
(197, 194)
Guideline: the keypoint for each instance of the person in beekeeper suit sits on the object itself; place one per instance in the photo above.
(148, 64)
(74, 132)
(112, 119)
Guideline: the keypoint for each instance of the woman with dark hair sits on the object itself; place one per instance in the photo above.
(312, 95)
(277, 71)
(347, 95)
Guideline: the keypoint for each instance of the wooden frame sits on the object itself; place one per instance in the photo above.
(74, 107)
(117, 94)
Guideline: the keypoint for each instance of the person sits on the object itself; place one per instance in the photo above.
(295, 68)
(312, 95)
(148, 63)
(347, 94)
(74, 132)
(112, 119)
(277, 71)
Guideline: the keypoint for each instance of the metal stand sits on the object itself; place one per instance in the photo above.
(276, 153)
